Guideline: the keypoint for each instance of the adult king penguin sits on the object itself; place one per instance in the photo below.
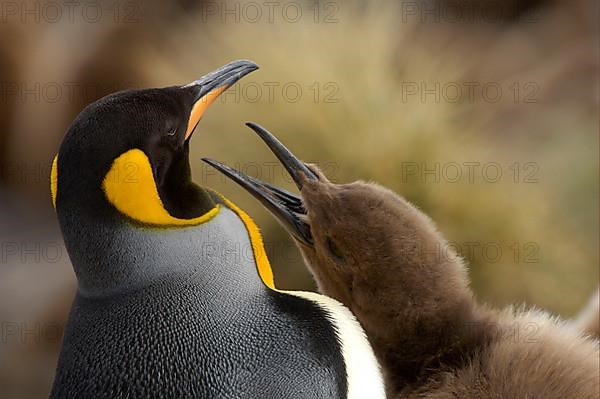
(167, 306)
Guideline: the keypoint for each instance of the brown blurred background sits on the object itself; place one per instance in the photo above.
(483, 113)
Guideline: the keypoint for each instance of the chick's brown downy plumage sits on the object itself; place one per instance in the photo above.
(381, 257)
(385, 260)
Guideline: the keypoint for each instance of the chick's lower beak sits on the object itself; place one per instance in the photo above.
(206, 89)
(287, 208)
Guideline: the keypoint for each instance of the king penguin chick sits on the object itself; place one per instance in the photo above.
(376, 253)
(167, 306)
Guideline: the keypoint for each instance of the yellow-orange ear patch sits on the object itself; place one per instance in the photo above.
(260, 255)
(130, 187)
(54, 180)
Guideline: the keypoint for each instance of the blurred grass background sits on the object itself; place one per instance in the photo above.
(354, 63)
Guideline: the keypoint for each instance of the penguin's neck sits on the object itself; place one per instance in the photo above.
(117, 256)
(424, 341)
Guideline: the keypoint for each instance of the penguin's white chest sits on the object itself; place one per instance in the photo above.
(363, 370)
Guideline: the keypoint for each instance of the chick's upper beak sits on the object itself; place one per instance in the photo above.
(289, 161)
(287, 208)
(206, 89)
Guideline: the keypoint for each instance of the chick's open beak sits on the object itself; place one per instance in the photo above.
(206, 89)
(287, 208)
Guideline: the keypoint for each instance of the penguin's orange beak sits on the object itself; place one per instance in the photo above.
(209, 87)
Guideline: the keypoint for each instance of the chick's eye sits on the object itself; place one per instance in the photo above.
(172, 131)
(334, 250)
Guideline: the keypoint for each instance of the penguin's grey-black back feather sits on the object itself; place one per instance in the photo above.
(200, 333)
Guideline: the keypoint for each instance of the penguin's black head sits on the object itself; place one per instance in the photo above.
(128, 152)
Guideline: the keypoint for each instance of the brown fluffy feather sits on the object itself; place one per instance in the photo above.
(386, 261)
(588, 320)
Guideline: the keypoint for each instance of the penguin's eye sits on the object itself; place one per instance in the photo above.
(172, 131)
(334, 251)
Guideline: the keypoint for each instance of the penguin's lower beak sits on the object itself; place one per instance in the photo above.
(206, 89)
(287, 208)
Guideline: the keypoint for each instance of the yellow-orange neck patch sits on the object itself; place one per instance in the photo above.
(130, 187)
(260, 255)
(54, 180)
